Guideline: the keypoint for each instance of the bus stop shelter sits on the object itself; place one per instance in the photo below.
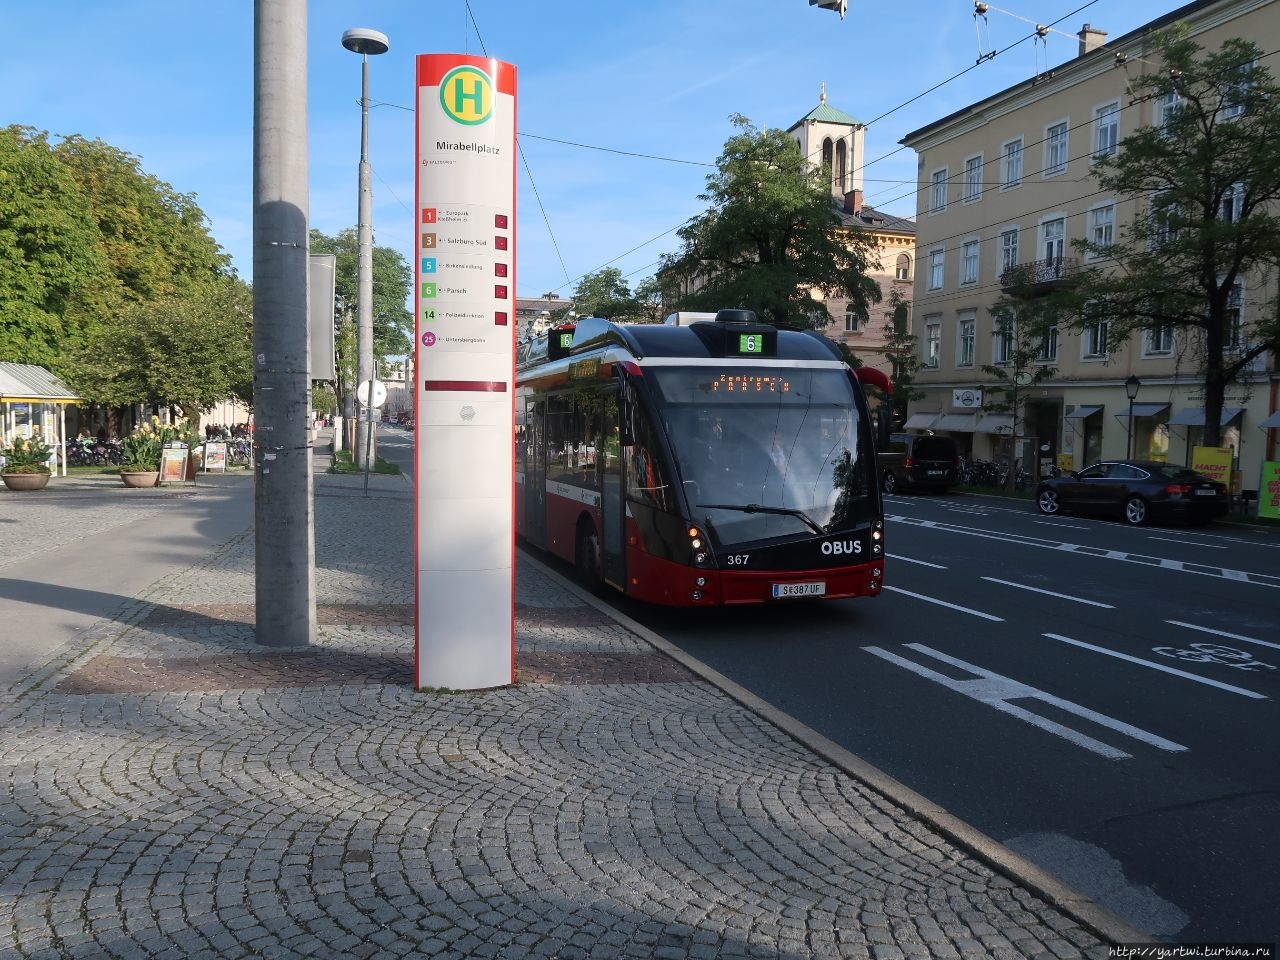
(31, 397)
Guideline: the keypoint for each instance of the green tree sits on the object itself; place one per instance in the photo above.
(900, 347)
(51, 263)
(156, 239)
(606, 294)
(392, 285)
(1204, 182)
(187, 350)
(771, 236)
(1023, 369)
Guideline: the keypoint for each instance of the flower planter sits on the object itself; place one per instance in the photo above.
(25, 481)
(139, 479)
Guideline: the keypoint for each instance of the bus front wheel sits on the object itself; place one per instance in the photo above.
(587, 557)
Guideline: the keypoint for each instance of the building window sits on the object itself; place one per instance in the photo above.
(1055, 239)
(1008, 250)
(932, 342)
(852, 319)
(1095, 334)
(965, 341)
(938, 191)
(1011, 175)
(840, 174)
(1055, 149)
(973, 179)
(936, 264)
(1003, 337)
(1047, 349)
(1166, 109)
(1163, 219)
(1102, 223)
(1159, 340)
(1229, 210)
(1106, 130)
(1233, 334)
(1234, 95)
(902, 271)
(969, 262)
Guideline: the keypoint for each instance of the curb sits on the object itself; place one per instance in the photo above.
(1090, 914)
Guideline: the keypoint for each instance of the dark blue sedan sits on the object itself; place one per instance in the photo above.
(1138, 490)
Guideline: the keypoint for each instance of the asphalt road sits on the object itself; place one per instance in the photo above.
(1099, 698)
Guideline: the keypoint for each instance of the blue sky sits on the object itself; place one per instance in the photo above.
(171, 81)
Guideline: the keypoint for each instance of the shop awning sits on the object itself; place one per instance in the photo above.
(920, 421)
(1272, 422)
(957, 422)
(1194, 416)
(1149, 409)
(996, 423)
(1083, 412)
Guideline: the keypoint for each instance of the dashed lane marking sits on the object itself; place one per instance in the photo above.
(1224, 633)
(1164, 563)
(949, 606)
(1050, 593)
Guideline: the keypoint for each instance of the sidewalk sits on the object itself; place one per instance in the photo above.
(171, 789)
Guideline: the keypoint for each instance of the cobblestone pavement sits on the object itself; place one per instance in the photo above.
(170, 789)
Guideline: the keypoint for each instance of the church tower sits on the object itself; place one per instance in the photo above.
(830, 137)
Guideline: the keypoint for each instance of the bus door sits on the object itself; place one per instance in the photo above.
(612, 516)
(535, 473)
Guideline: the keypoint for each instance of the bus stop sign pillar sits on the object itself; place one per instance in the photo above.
(464, 552)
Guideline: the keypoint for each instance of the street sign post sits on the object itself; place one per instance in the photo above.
(465, 371)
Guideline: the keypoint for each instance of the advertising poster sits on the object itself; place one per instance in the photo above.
(465, 300)
(1213, 462)
(173, 463)
(1269, 490)
(215, 455)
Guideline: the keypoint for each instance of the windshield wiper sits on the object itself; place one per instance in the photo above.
(760, 508)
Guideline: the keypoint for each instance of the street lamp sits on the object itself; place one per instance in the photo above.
(1131, 391)
(367, 43)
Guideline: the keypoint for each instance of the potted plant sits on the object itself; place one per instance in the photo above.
(141, 466)
(26, 462)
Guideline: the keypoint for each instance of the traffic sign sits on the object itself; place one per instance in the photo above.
(379, 393)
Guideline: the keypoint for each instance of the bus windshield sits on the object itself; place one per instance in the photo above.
(766, 452)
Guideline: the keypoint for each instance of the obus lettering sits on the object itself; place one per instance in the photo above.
(836, 548)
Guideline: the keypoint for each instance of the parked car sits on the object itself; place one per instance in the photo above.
(1138, 490)
(919, 461)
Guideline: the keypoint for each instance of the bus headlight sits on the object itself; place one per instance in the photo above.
(697, 594)
(702, 581)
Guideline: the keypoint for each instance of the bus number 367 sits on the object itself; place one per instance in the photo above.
(736, 559)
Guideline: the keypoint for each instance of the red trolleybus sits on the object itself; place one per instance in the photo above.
(699, 463)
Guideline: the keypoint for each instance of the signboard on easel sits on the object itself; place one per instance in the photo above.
(173, 463)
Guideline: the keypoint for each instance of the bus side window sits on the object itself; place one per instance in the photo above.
(647, 478)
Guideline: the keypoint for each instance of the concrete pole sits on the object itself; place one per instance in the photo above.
(365, 452)
(283, 507)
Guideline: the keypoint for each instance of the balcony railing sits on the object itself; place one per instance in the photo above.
(1038, 276)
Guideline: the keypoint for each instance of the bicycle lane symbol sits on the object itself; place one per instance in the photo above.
(1215, 653)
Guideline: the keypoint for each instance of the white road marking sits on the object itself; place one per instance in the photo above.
(943, 603)
(1157, 666)
(1064, 526)
(1224, 633)
(1190, 543)
(1050, 593)
(923, 563)
(1221, 573)
(996, 690)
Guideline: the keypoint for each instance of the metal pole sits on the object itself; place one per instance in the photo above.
(1128, 451)
(284, 522)
(364, 278)
(368, 440)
